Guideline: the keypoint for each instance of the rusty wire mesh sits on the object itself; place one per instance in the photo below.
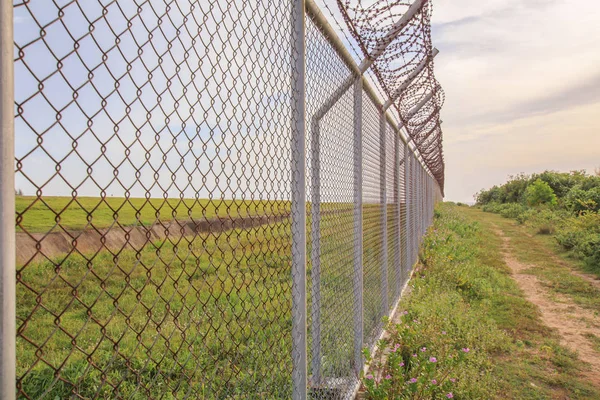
(152, 141)
(154, 146)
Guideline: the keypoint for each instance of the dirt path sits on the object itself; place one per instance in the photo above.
(559, 312)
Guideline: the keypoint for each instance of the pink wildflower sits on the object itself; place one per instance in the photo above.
(423, 349)
(452, 380)
(443, 332)
(413, 380)
(450, 395)
(369, 376)
(434, 382)
(402, 364)
(466, 349)
(388, 377)
(432, 359)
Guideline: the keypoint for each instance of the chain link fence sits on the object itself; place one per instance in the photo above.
(210, 201)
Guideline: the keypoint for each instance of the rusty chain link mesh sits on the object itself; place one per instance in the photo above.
(154, 144)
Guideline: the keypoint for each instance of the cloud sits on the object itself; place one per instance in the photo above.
(585, 92)
(525, 72)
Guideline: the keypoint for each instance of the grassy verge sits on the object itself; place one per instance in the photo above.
(575, 237)
(468, 332)
(540, 251)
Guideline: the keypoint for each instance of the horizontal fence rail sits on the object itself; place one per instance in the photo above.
(208, 199)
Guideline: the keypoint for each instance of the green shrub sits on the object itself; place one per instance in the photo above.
(540, 193)
(579, 200)
(581, 234)
(512, 210)
(508, 210)
(514, 190)
(525, 216)
(562, 204)
(547, 221)
(491, 207)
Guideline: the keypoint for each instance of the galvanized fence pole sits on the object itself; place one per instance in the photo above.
(298, 206)
(397, 261)
(7, 206)
(421, 198)
(417, 207)
(413, 207)
(384, 230)
(424, 180)
(428, 210)
(407, 189)
(420, 192)
(429, 200)
(315, 252)
(417, 197)
(424, 210)
(358, 227)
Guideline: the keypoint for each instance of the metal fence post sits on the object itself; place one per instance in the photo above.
(407, 204)
(7, 206)
(420, 203)
(298, 206)
(413, 213)
(358, 227)
(384, 230)
(315, 252)
(397, 261)
(423, 202)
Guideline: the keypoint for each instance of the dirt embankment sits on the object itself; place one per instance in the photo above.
(39, 246)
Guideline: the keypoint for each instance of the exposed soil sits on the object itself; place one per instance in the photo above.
(39, 246)
(559, 312)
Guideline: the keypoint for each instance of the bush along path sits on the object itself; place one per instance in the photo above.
(467, 330)
(564, 206)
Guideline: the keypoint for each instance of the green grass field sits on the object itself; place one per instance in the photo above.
(41, 215)
(208, 315)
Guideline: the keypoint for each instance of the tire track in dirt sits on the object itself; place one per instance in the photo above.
(558, 312)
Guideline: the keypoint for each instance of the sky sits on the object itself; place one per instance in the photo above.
(188, 107)
(522, 84)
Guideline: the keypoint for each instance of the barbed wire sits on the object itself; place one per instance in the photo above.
(369, 23)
